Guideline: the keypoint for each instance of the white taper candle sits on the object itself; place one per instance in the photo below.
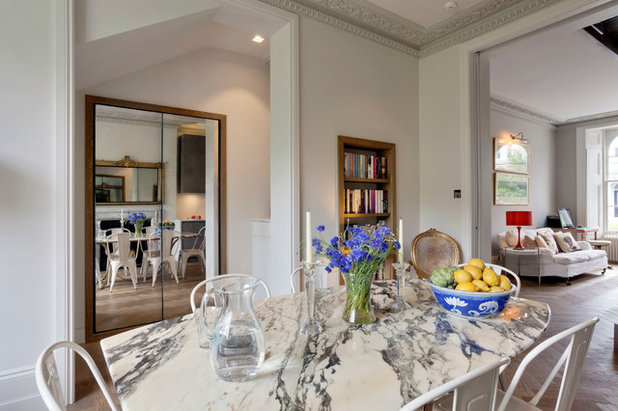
(308, 253)
(400, 259)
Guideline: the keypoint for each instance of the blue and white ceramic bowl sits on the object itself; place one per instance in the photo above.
(471, 304)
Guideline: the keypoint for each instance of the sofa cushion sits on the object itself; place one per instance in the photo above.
(578, 256)
(502, 243)
(528, 241)
(566, 242)
(544, 230)
(511, 238)
(546, 240)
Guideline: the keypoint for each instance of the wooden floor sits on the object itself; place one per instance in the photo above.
(589, 295)
(126, 306)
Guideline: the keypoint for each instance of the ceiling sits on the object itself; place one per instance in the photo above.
(423, 26)
(561, 73)
(425, 13)
(225, 27)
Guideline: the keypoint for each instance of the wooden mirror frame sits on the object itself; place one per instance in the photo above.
(89, 287)
(127, 162)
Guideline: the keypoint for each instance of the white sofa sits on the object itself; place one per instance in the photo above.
(564, 265)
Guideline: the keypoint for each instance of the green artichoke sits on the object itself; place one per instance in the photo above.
(443, 277)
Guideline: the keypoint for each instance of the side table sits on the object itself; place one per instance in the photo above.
(515, 256)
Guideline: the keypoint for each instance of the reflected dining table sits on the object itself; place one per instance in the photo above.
(382, 365)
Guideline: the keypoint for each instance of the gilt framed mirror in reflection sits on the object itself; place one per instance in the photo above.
(149, 169)
(128, 182)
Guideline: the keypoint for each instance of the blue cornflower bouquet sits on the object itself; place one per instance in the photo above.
(358, 254)
(137, 219)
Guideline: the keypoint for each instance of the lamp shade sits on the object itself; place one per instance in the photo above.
(519, 218)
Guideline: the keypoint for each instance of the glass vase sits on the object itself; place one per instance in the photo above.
(138, 229)
(358, 309)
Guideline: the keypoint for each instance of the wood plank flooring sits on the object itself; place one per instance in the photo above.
(589, 295)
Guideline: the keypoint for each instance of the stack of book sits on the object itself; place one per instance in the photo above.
(365, 166)
(359, 201)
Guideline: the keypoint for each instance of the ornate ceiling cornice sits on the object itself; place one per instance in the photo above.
(374, 23)
(512, 108)
(302, 10)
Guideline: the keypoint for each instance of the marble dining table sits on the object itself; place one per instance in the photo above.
(382, 365)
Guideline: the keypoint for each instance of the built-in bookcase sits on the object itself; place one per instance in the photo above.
(367, 189)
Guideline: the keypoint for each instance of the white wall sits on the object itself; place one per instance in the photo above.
(445, 160)
(355, 87)
(566, 170)
(226, 83)
(144, 146)
(27, 183)
(541, 185)
(215, 81)
(446, 119)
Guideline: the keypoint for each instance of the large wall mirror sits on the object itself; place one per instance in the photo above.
(155, 200)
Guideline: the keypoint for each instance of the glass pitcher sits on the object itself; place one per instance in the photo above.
(236, 339)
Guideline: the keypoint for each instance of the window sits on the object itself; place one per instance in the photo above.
(611, 185)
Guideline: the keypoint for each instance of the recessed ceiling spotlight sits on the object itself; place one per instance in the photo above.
(450, 6)
(258, 39)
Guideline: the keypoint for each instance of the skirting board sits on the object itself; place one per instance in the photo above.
(18, 390)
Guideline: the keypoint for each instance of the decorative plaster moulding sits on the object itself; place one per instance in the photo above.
(512, 108)
(366, 20)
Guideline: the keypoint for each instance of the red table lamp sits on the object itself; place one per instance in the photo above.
(519, 219)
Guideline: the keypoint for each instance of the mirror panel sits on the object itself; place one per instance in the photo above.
(149, 177)
(128, 181)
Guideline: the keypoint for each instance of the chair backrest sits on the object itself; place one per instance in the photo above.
(572, 359)
(220, 281)
(48, 381)
(166, 240)
(200, 240)
(475, 390)
(123, 245)
(433, 249)
(500, 270)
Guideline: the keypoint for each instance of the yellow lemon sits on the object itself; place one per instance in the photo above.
(490, 277)
(476, 273)
(504, 283)
(481, 285)
(478, 263)
(496, 289)
(466, 287)
(462, 276)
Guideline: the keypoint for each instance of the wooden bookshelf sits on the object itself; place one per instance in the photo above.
(370, 147)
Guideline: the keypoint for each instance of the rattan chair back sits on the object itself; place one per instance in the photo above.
(433, 249)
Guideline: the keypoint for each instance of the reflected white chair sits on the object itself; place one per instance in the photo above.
(475, 390)
(122, 259)
(158, 255)
(573, 361)
(112, 249)
(196, 251)
(48, 381)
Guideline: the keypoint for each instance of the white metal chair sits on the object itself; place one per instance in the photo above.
(158, 255)
(475, 390)
(122, 258)
(572, 359)
(48, 381)
(196, 251)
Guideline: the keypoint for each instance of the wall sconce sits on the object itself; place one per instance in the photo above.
(519, 137)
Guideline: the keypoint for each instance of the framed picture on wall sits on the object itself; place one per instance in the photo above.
(510, 189)
(511, 155)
